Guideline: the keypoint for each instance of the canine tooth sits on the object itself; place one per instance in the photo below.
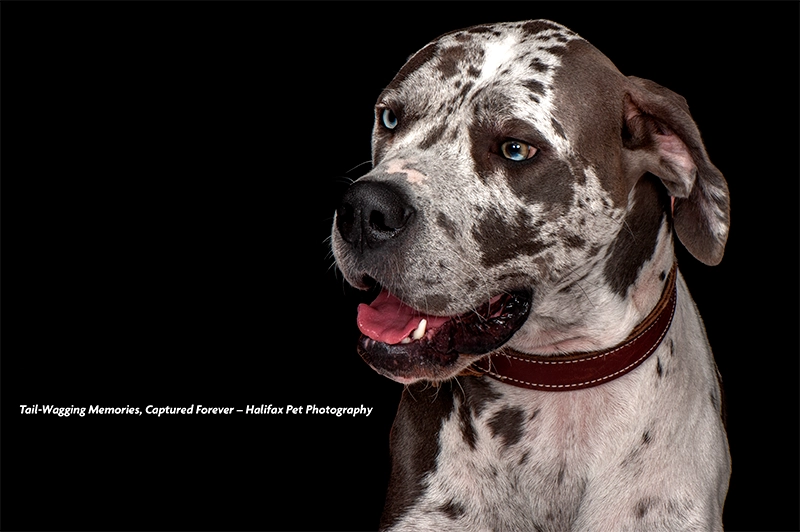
(419, 332)
(406, 340)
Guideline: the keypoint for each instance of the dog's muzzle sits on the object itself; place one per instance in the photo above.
(377, 221)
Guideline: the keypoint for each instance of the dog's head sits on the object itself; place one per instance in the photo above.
(507, 162)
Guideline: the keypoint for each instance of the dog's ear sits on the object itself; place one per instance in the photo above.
(660, 137)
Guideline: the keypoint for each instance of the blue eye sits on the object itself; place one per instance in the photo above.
(389, 119)
(515, 150)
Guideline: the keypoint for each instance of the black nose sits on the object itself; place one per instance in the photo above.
(372, 213)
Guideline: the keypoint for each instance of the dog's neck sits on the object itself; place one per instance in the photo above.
(596, 308)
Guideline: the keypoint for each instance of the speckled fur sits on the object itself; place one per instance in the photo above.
(588, 226)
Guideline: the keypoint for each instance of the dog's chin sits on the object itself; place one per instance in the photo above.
(446, 350)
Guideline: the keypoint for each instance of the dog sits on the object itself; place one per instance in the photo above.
(519, 220)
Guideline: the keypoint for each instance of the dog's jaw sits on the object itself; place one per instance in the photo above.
(442, 350)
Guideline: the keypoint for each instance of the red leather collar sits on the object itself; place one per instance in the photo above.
(584, 370)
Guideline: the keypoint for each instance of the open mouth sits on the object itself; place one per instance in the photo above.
(407, 345)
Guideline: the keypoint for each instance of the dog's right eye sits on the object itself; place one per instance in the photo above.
(515, 150)
(389, 119)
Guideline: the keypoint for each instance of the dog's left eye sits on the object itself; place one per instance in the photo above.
(516, 150)
(389, 119)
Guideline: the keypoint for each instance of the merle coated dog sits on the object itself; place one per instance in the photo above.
(519, 218)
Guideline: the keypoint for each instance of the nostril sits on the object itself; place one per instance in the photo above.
(372, 213)
(388, 222)
(377, 221)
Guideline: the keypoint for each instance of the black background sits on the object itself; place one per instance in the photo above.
(169, 176)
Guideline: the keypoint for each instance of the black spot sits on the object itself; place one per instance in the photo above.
(473, 71)
(414, 444)
(523, 458)
(452, 509)
(534, 414)
(463, 94)
(642, 507)
(633, 460)
(478, 393)
(557, 51)
(574, 241)
(659, 369)
(466, 425)
(433, 136)
(534, 86)
(501, 240)
(507, 424)
(447, 225)
(662, 276)
(449, 59)
(535, 27)
(538, 65)
(636, 241)
(479, 29)
(558, 129)
(561, 471)
(646, 438)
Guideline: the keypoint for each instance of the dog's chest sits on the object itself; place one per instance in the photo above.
(506, 462)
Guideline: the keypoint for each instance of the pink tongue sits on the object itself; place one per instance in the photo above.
(389, 320)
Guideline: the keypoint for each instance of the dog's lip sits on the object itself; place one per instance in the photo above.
(437, 353)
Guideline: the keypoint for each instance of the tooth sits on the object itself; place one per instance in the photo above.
(419, 332)
(406, 340)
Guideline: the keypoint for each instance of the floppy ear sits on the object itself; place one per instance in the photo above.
(660, 137)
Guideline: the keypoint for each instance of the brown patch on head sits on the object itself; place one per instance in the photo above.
(589, 106)
(548, 180)
(449, 60)
(479, 29)
(534, 27)
(501, 240)
(544, 179)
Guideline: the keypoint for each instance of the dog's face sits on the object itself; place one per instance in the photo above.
(503, 161)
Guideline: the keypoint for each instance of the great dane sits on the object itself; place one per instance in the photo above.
(519, 220)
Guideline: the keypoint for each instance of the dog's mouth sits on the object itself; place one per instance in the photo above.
(407, 345)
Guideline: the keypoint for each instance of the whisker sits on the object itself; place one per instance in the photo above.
(359, 165)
